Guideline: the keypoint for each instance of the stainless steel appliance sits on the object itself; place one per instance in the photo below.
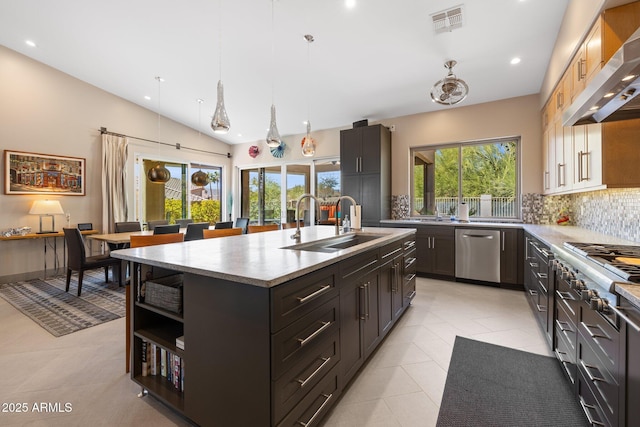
(478, 254)
(589, 322)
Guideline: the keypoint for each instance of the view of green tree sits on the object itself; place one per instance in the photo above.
(328, 184)
(489, 169)
(446, 172)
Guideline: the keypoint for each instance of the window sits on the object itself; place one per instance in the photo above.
(483, 174)
(262, 195)
(179, 198)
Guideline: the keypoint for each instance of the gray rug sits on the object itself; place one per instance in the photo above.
(62, 313)
(490, 385)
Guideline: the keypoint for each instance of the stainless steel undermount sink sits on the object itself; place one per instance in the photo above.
(334, 244)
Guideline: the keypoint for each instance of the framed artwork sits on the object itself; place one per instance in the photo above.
(32, 173)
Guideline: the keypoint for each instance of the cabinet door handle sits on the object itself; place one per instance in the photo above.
(588, 368)
(601, 335)
(304, 382)
(367, 290)
(317, 332)
(621, 315)
(503, 239)
(320, 291)
(313, 417)
(587, 411)
(361, 300)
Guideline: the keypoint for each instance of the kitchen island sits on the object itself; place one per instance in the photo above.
(273, 329)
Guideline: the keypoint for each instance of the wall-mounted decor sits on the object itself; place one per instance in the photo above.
(31, 173)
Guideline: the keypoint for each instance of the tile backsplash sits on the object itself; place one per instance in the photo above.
(615, 212)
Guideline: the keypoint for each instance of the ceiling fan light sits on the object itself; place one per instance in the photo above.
(450, 90)
(220, 121)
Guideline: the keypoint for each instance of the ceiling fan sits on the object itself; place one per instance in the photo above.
(450, 90)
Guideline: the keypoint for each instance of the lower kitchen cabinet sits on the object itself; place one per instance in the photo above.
(539, 283)
(511, 254)
(390, 297)
(436, 251)
(630, 337)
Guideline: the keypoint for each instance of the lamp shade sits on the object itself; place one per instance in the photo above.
(46, 207)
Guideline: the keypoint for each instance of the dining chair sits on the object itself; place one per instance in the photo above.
(195, 230)
(166, 229)
(139, 241)
(242, 223)
(151, 225)
(223, 224)
(209, 234)
(124, 227)
(184, 222)
(291, 224)
(77, 259)
(261, 228)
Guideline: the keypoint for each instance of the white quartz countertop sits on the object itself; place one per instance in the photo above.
(259, 259)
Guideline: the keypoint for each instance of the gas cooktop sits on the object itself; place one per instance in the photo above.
(622, 260)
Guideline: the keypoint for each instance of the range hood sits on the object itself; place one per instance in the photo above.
(613, 93)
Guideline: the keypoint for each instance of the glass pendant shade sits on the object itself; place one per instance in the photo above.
(220, 122)
(308, 144)
(273, 137)
(200, 179)
(159, 174)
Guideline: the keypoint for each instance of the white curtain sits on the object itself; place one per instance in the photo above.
(114, 176)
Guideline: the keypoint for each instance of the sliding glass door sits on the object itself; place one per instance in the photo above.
(261, 193)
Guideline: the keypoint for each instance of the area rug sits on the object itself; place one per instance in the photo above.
(61, 313)
(490, 385)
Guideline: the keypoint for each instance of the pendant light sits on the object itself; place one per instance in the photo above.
(199, 178)
(220, 122)
(273, 136)
(159, 174)
(308, 144)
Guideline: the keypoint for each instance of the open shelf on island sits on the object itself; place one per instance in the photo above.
(163, 390)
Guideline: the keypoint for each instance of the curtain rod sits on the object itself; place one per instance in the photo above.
(177, 146)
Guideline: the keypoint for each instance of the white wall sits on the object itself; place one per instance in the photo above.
(45, 111)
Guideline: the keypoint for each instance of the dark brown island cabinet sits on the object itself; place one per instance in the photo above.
(365, 171)
(279, 356)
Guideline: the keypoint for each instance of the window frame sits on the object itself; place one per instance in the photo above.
(460, 145)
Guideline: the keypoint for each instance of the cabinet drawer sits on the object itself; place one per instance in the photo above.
(302, 337)
(566, 355)
(566, 327)
(358, 265)
(315, 405)
(390, 251)
(410, 263)
(568, 299)
(409, 291)
(602, 336)
(409, 244)
(304, 375)
(293, 300)
(602, 384)
(589, 404)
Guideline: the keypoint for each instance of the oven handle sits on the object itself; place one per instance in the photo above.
(620, 314)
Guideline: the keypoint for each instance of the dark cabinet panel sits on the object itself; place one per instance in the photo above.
(365, 161)
(511, 255)
(436, 250)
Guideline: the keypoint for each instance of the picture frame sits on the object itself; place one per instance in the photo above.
(35, 173)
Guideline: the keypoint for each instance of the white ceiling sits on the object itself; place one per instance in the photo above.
(377, 60)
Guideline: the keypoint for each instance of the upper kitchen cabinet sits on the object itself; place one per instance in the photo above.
(587, 61)
(365, 169)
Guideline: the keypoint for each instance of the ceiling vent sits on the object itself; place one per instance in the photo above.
(447, 20)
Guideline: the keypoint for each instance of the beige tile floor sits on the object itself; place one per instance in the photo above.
(401, 385)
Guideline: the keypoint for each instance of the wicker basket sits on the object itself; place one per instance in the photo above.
(165, 293)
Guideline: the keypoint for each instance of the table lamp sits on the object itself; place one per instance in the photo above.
(47, 208)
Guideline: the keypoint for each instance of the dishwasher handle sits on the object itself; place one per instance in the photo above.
(481, 236)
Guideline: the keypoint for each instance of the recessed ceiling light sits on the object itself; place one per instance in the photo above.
(350, 4)
(594, 108)
(609, 95)
(30, 43)
(629, 77)
(515, 61)
(147, 97)
(239, 134)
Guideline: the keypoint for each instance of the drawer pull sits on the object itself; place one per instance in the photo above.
(533, 264)
(409, 262)
(410, 277)
(314, 373)
(541, 308)
(588, 368)
(564, 295)
(313, 417)
(559, 356)
(588, 328)
(320, 291)
(560, 323)
(533, 293)
(306, 340)
(542, 275)
(586, 408)
(411, 295)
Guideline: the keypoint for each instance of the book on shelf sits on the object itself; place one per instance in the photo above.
(163, 362)
(145, 365)
(176, 371)
(154, 360)
(180, 342)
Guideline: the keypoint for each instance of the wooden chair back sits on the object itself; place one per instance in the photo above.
(261, 228)
(209, 234)
(138, 241)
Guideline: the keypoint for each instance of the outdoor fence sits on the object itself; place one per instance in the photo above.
(496, 206)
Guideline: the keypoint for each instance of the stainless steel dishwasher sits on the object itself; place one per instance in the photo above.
(478, 254)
